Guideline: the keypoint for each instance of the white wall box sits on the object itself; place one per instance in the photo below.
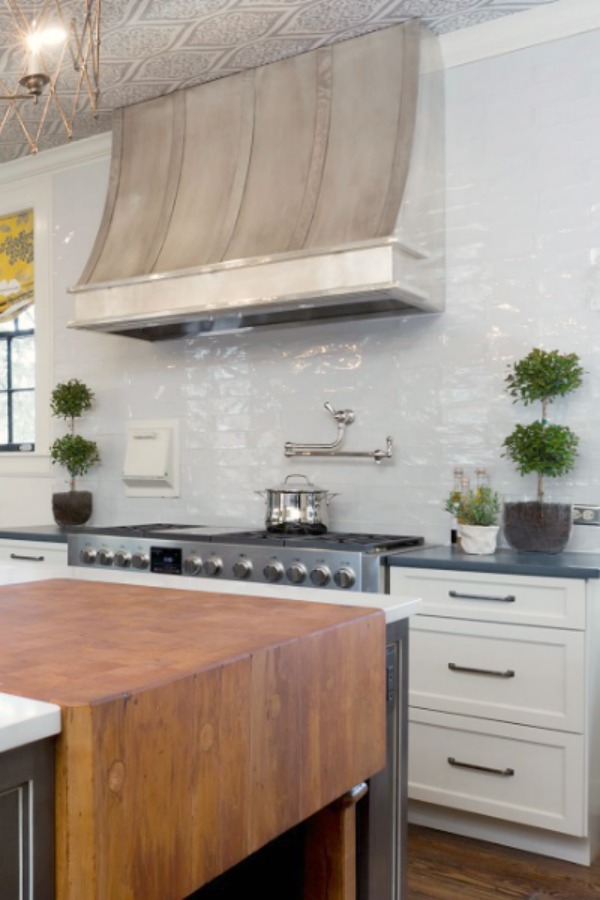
(151, 466)
(504, 714)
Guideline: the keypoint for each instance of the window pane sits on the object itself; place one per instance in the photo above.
(23, 362)
(3, 419)
(23, 417)
(3, 366)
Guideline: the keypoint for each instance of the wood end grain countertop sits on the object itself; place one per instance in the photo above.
(196, 726)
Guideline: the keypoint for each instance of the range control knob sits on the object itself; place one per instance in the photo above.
(88, 556)
(140, 561)
(122, 559)
(105, 557)
(192, 565)
(320, 576)
(297, 573)
(345, 578)
(213, 565)
(242, 568)
(273, 571)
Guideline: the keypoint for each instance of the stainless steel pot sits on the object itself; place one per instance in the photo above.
(296, 507)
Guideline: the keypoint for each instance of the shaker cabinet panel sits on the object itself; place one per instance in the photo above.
(525, 599)
(525, 775)
(512, 673)
(33, 552)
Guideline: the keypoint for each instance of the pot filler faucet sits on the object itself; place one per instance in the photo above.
(343, 417)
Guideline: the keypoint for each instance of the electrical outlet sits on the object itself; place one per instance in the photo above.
(586, 514)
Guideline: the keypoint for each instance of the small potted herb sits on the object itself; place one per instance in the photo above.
(74, 453)
(476, 512)
(546, 449)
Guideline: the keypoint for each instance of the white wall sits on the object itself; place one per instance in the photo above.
(523, 165)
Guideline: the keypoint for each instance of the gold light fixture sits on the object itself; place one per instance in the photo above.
(50, 69)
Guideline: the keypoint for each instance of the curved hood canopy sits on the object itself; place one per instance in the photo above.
(310, 188)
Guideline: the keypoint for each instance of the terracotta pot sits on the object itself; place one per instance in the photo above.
(478, 539)
(72, 507)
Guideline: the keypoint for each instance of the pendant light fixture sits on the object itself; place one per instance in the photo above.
(49, 71)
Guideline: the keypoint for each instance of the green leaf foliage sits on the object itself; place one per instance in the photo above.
(475, 507)
(544, 375)
(539, 447)
(70, 399)
(74, 453)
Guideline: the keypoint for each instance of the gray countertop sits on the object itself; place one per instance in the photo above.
(507, 562)
(51, 533)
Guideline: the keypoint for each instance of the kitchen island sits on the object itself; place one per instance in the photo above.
(157, 793)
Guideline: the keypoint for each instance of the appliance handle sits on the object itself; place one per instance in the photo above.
(27, 558)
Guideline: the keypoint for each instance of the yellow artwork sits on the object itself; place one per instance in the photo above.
(16, 263)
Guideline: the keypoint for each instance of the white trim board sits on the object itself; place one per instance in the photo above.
(550, 22)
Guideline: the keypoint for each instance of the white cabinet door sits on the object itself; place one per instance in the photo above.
(526, 600)
(33, 551)
(512, 673)
(525, 775)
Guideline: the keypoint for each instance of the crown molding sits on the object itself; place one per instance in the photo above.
(57, 159)
(550, 22)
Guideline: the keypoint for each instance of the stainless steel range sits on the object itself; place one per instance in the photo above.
(332, 560)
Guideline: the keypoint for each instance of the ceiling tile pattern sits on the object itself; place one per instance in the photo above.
(153, 47)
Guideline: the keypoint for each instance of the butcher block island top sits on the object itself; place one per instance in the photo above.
(196, 726)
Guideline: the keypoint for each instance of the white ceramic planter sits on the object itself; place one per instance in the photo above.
(478, 539)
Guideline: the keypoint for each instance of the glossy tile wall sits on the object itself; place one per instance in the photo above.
(523, 182)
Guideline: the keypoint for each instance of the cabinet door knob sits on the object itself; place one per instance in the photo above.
(508, 673)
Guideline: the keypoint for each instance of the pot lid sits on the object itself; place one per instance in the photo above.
(298, 484)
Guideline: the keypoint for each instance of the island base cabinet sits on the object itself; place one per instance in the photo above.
(525, 775)
(27, 822)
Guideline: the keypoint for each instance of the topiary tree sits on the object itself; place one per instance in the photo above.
(546, 449)
(75, 453)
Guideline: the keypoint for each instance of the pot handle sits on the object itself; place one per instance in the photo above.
(261, 493)
(297, 475)
(330, 496)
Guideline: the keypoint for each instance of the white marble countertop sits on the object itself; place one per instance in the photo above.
(23, 721)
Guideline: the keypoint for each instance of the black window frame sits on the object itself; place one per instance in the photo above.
(7, 337)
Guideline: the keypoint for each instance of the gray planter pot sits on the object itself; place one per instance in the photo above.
(72, 507)
(538, 527)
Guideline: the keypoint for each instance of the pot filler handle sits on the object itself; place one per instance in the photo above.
(343, 417)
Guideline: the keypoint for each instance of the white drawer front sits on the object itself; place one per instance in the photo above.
(554, 602)
(536, 777)
(530, 676)
(33, 551)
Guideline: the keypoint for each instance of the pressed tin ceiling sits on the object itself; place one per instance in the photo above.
(152, 47)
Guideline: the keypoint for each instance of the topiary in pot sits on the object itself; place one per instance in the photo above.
(547, 449)
(75, 453)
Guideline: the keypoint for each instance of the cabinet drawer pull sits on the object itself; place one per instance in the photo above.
(506, 773)
(28, 558)
(508, 673)
(510, 598)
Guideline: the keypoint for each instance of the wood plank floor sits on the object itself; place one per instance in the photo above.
(448, 867)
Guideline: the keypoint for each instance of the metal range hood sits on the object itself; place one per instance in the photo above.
(308, 189)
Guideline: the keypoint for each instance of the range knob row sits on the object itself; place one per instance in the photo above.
(121, 558)
(273, 572)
